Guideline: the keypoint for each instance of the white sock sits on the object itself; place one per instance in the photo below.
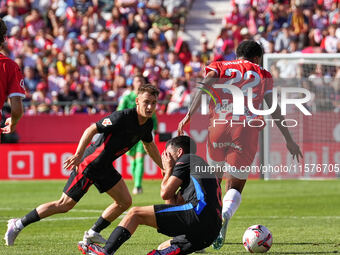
(231, 202)
(19, 225)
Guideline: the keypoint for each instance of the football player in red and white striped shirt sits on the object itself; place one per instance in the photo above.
(233, 147)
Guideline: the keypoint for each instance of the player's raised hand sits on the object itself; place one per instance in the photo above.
(9, 127)
(181, 124)
(167, 161)
(72, 162)
(294, 149)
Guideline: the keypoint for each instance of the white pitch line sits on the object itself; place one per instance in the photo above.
(288, 217)
(240, 217)
(73, 210)
(63, 218)
(68, 218)
(124, 213)
(74, 218)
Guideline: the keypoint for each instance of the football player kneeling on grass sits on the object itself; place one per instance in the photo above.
(192, 216)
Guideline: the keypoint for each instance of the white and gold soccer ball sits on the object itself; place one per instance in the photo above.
(257, 239)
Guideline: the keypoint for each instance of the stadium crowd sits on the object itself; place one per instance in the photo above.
(87, 51)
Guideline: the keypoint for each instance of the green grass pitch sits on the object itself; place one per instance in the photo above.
(304, 217)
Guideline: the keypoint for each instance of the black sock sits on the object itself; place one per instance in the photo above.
(29, 218)
(119, 236)
(100, 224)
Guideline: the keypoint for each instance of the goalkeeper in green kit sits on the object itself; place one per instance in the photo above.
(137, 152)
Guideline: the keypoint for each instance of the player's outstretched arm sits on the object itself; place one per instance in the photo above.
(16, 114)
(292, 147)
(208, 81)
(86, 138)
(153, 152)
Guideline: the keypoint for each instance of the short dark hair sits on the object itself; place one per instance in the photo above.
(249, 49)
(185, 142)
(3, 31)
(148, 88)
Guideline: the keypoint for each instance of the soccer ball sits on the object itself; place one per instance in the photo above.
(257, 239)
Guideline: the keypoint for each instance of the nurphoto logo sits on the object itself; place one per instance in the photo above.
(289, 96)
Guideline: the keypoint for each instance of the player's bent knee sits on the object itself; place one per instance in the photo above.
(135, 213)
(126, 203)
(131, 213)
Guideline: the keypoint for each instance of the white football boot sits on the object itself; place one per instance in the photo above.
(12, 232)
(93, 237)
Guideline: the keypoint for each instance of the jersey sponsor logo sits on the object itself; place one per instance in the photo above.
(226, 144)
(106, 122)
(22, 84)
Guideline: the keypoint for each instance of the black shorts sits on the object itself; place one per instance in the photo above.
(80, 181)
(190, 231)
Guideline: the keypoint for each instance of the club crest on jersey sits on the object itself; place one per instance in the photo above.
(106, 122)
(22, 84)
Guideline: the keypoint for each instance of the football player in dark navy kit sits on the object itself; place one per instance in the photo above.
(192, 216)
(93, 165)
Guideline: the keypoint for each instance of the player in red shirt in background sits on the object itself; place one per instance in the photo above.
(11, 86)
(234, 146)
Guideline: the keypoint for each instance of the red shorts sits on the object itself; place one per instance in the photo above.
(236, 145)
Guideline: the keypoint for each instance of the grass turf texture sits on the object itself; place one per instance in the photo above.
(304, 217)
